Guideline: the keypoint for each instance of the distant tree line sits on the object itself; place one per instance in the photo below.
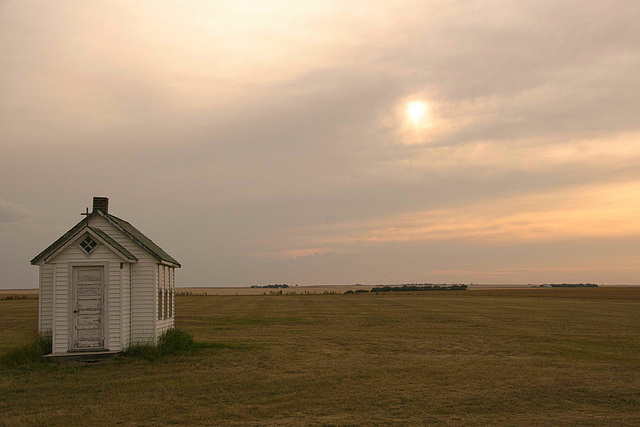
(276, 286)
(413, 287)
(569, 285)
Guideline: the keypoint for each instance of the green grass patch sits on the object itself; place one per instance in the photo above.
(29, 353)
(174, 341)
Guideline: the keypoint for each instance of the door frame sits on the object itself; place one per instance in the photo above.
(72, 303)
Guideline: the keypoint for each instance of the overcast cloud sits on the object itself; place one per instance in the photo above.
(269, 142)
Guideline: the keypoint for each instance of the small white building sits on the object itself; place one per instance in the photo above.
(104, 286)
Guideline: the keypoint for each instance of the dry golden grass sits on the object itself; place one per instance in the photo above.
(508, 357)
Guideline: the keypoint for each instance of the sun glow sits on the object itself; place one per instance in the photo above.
(416, 120)
(417, 113)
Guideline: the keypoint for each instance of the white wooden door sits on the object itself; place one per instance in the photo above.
(87, 332)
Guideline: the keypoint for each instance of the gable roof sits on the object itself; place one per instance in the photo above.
(61, 241)
(129, 230)
(97, 234)
(143, 241)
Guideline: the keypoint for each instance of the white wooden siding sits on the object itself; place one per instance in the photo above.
(143, 291)
(113, 314)
(126, 305)
(64, 262)
(164, 280)
(60, 309)
(45, 295)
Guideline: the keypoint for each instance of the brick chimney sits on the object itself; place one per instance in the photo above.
(101, 204)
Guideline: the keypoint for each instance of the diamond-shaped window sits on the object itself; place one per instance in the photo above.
(88, 244)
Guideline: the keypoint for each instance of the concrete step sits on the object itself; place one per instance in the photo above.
(84, 356)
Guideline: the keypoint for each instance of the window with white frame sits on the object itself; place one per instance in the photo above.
(166, 291)
(88, 245)
(172, 285)
(160, 292)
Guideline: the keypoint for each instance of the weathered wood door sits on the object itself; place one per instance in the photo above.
(87, 326)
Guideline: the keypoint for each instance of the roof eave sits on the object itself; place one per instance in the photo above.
(61, 241)
(170, 264)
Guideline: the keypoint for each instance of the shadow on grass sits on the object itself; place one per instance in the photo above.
(173, 342)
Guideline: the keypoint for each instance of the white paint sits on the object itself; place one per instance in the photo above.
(88, 308)
(121, 314)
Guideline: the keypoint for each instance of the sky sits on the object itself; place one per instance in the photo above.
(329, 142)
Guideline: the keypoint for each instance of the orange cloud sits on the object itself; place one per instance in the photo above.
(596, 211)
(612, 210)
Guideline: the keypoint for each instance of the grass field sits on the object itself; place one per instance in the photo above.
(483, 357)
